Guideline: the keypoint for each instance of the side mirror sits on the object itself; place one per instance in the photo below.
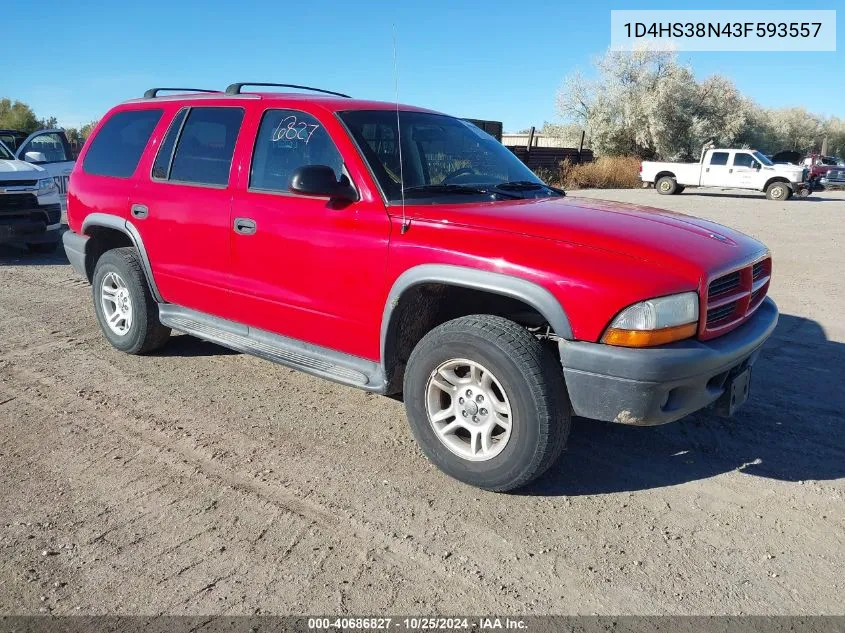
(35, 157)
(320, 181)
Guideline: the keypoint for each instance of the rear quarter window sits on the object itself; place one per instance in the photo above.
(117, 147)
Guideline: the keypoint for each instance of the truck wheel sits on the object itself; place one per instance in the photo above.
(125, 309)
(803, 193)
(777, 191)
(667, 185)
(487, 402)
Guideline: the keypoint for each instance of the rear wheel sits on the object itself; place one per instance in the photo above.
(666, 185)
(486, 402)
(126, 310)
(778, 191)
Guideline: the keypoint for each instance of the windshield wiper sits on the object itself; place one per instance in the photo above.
(528, 185)
(458, 190)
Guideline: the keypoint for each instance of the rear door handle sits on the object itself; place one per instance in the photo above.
(730, 171)
(244, 226)
(140, 211)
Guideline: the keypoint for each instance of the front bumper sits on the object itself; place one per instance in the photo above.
(660, 384)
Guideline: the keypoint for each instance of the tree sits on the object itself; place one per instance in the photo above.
(16, 115)
(647, 104)
(85, 130)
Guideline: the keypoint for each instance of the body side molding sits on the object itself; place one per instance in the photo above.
(515, 287)
(110, 221)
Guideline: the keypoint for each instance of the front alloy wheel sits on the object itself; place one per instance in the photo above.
(468, 409)
(486, 401)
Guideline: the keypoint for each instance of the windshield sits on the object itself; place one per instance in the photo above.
(5, 154)
(762, 158)
(443, 158)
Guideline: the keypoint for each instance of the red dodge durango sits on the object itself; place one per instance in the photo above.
(406, 252)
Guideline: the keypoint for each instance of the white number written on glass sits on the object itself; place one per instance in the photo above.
(289, 129)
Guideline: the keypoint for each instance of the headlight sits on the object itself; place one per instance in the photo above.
(655, 322)
(45, 186)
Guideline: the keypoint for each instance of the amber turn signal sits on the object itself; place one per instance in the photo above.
(648, 338)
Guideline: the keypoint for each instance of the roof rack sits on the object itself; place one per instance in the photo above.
(153, 92)
(235, 89)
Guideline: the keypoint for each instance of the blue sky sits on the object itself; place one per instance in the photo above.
(499, 59)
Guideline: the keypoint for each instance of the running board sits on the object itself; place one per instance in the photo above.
(312, 359)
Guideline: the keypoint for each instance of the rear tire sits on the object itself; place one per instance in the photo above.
(666, 185)
(487, 402)
(125, 308)
(778, 191)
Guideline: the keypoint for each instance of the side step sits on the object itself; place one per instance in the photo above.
(312, 359)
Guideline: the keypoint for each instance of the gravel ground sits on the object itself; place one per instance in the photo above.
(199, 481)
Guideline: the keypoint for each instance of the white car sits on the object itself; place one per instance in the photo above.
(49, 149)
(728, 169)
(30, 207)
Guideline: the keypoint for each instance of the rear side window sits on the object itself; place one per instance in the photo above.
(205, 146)
(287, 140)
(118, 146)
(719, 158)
(161, 167)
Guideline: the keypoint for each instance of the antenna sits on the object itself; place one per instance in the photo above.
(399, 135)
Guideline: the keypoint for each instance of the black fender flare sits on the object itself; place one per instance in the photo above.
(126, 227)
(507, 285)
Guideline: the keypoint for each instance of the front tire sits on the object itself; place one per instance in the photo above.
(778, 191)
(666, 186)
(487, 402)
(125, 308)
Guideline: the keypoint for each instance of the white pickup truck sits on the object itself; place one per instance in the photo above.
(728, 169)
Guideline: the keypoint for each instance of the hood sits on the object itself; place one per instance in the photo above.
(683, 243)
(19, 170)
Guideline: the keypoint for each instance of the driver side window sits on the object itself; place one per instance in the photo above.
(286, 141)
(46, 148)
(742, 159)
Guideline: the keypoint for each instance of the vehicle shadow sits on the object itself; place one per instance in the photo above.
(18, 255)
(190, 346)
(791, 429)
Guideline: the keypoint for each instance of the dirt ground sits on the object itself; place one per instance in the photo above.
(198, 480)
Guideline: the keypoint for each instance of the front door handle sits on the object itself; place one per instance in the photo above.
(140, 211)
(730, 171)
(244, 226)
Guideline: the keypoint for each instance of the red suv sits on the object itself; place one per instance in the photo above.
(404, 251)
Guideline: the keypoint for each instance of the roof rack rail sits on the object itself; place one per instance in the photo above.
(153, 92)
(235, 89)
